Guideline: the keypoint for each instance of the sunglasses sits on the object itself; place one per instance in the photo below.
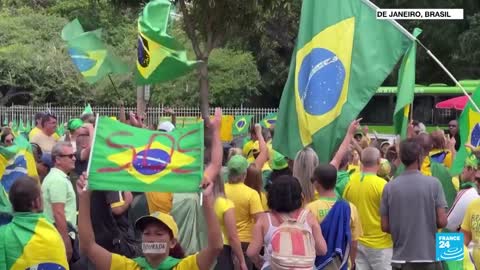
(70, 156)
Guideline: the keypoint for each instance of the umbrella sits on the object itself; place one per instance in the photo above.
(457, 103)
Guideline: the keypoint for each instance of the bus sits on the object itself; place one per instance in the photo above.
(378, 114)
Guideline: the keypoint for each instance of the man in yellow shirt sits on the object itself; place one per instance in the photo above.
(38, 127)
(45, 138)
(471, 229)
(365, 191)
(324, 180)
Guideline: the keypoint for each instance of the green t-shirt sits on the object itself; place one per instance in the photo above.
(57, 188)
(342, 181)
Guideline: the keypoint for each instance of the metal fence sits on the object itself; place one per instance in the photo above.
(27, 113)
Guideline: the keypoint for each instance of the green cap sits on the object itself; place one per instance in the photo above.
(471, 160)
(237, 165)
(74, 124)
(278, 161)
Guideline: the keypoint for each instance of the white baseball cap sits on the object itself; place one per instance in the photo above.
(166, 126)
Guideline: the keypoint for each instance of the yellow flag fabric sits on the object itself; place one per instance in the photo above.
(31, 242)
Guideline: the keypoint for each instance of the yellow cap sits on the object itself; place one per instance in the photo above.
(158, 217)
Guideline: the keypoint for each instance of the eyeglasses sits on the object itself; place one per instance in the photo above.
(70, 156)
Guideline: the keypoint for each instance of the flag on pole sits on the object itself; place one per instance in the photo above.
(31, 242)
(15, 161)
(160, 56)
(269, 120)
(129, 158)
(406, 88)
(87, 110)
(241, 124)
(469, 125)
(343, 54)
(89, 54)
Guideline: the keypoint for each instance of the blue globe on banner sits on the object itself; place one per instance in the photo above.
(46, 266)
(475, 135)
(320, 81)
(241, 124)
(151, 161)
(81, 60)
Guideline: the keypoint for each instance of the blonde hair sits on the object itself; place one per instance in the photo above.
(233, 151)
(219, 187)
(305, 163)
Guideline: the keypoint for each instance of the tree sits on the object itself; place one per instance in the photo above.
(209, 24)
(233, 79)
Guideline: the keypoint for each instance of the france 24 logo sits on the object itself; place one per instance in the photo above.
(449, 247)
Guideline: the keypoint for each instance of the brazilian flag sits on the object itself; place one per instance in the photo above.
(129, 158)
(469, 125)
(160, 56)
(343, 54)
(269, 120)
(89, 54)
(31, 242)
(406, 87)
(241, 124)
(15, 161)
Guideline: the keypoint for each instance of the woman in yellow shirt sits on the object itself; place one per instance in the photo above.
(159, 230)
(225, 212)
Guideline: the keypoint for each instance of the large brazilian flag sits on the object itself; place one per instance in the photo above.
(129, 158)
(343, 54)
(31, 242)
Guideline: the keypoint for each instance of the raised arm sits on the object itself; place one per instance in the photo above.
(99, 256)
(262, 145)
(344, 147)
(207, 256)
(215, 164)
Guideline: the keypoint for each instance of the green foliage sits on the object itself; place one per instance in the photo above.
(233, 81)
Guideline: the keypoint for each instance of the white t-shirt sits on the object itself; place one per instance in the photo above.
(457, 212)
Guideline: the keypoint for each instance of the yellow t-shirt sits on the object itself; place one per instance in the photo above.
(355, 168)
(320, 209)
(247, 204)
(159, 202)
(123, 263)
(471, 223)
(45, 142)
(36, 130)
(263, 198)
(364, 190)
(221, 206)
(248, 153)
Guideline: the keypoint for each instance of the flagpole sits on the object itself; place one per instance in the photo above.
(92, 147)
(413, 38)
(114, 87)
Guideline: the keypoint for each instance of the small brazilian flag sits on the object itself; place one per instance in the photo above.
(269, 120)
(21, 126)
(160, 56)
(60, 129)
(129, 158)
(469, 125)
(89, 54)
(343, 54)
(31, 242)
(15, 161)
(241, 124)
(406, 88)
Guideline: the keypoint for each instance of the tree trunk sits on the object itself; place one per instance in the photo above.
(204, 89)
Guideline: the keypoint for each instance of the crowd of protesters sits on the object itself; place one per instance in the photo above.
(376, 205)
